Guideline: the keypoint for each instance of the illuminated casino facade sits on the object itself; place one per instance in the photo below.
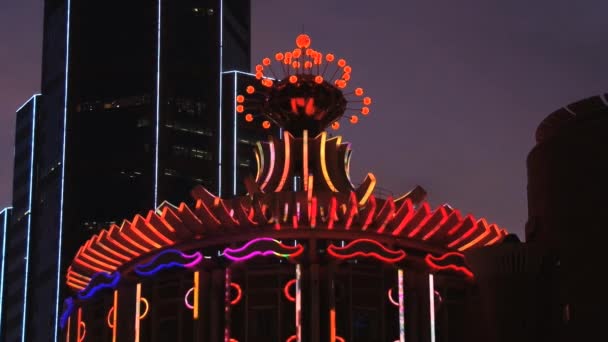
(304, 256)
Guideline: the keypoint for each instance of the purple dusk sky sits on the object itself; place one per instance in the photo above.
(459, 87)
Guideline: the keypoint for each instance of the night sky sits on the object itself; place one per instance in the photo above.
(459, 87)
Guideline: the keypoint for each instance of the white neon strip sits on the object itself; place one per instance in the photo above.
(234, 141)
(298, 302)
(4, 228)
(219, 156)
(401, 306)
(432, 303)
(29, 221)
(157, 133)
(65, 120)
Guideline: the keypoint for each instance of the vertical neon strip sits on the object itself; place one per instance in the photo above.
(332, 325)
(137, 310)
(270, 166)
(299, 303)
(4, 228)
(115, 316)
(67, 334)
(157, 133)
(196, 294)
(286, 162)
(80, 324)
(61, 198)
(29, 222)
(432, 305)
(234, 142)
(219, 156)
(227, 306)
(401, 306)
(324, 163)
(305, 159)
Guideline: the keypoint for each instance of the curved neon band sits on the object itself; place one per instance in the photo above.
(270, 167)
(239, 294)
(259, 156)
(188, 305)
(390, 297)
(145, 301)
(286, 291)
(295, 251)
(344, 253)
(110, 314)
(286, 161)
(324, 163)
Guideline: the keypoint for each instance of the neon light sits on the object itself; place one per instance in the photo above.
(67, 335)
(188, 305)
(332, 324)
(4, 212)
(324, 163)
(390, 297)
(82, 327)
(227, 304)
(299, 302)
(156, 265)
(370, 189)
(239, 293)
(292, 338)
(108, 281)
(271, 166)
(196, 294)
(29, 225)
(221, 90)
(286, 290)
(145, 301)
(234, 141)
(65, 316)
(432, 305)
(481, 236)
(305, 159)
(366, 248)
(157, 131)
(286, 162)
(114, 313)
(263, 247)
(433, 263)
(401, 306)
(138, 316)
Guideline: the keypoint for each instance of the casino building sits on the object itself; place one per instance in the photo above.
(303, 256)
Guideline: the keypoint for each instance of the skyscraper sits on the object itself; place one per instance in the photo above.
(130, 116)
(5, 215)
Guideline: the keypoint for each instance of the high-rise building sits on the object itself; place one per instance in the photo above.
(5, 217)
(17, 235)
(131, 115)
(567, 187)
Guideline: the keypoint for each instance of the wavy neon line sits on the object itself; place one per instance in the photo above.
(298, 249)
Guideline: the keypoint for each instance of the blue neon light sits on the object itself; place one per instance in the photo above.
(189, 262)
(108, 281)
(65, 119)
(4, 228)
(157, 133)
(29, 220)
(69, 304)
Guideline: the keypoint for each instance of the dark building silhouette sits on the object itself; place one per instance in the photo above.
(5, 217)
(17, 236)
(130, 117)
(567, 186)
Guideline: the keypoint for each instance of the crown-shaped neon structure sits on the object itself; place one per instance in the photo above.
(307, 91)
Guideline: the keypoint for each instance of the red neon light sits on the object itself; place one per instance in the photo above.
(239, 293)
(390, 297)
(431, 261)
(378, 251)
(286, 291)
(370, 212)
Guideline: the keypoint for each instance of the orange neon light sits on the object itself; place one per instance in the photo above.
(293, 79)
(250, 90)
(432, 232)
(329, 57)
(266, 61)
(370, 189)
(486, 232)
(335, 125)
(145, 238)
(196, 294)
(82, 327)
(324, 163)
(240, 99)
(332, 324)
(367, 101)
(286, 162)
(67, 335)
(266, 124)
(365, 110)
(341, 63)
(259, 158)
(240, 108)
(249, 117)
(279, 56)
(112, 251)
(303, 41)
(318, 79)
(497, 238)
(359, 91)
(354, 119)
(270, 165)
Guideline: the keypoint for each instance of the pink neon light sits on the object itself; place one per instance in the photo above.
(390, 297)
(289, 251)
